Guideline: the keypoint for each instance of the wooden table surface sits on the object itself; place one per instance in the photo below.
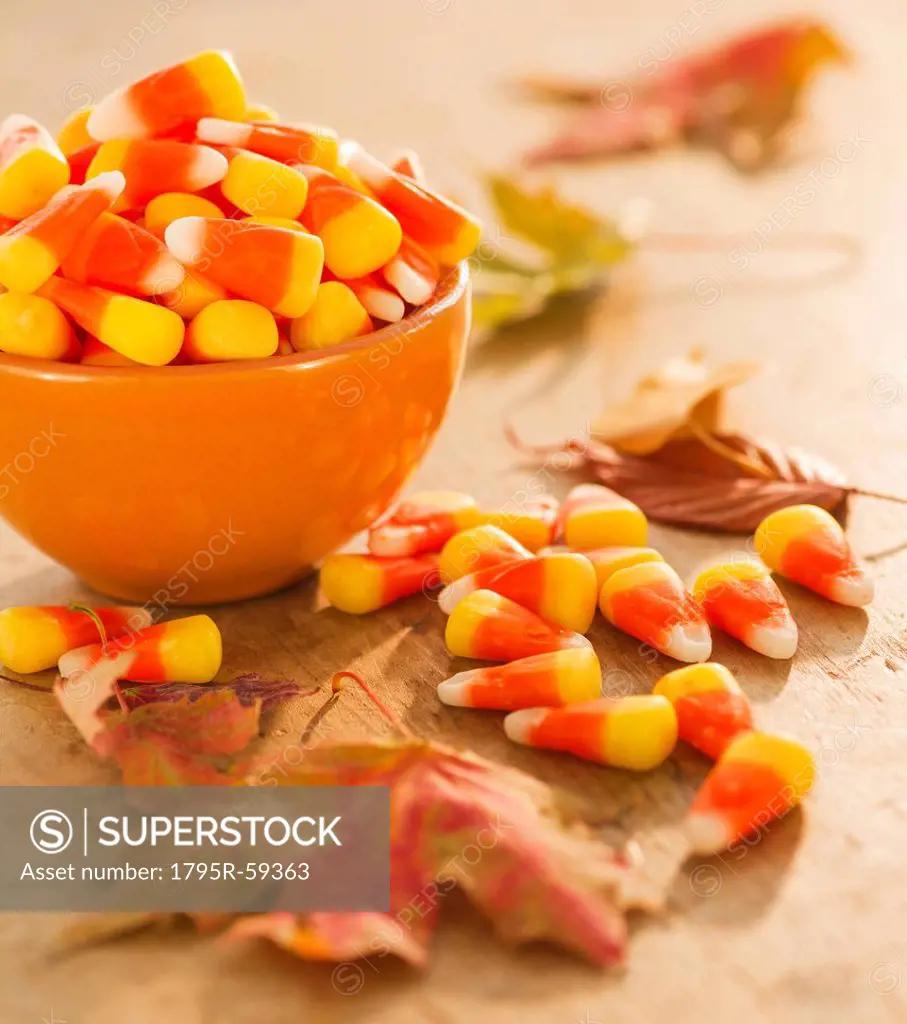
(810, 924)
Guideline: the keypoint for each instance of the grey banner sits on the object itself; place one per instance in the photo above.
(194, 848)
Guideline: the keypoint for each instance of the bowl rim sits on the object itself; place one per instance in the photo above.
(450, 290)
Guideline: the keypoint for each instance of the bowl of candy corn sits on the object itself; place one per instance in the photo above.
(226, 341)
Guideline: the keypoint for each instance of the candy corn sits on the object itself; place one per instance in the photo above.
(335, 316)
(80, 161)
(412, 272)
(140, 330)
(288, 144)
(607, 561)
(231, 329)
(491, 627)
(260, 112)
(478, 548)
(154, 166)
(593, 516)
(807, 545)
(409, 164)
(96, 353)
(559, 587)
(636, 733)
(31, 251)
(743, 600)
(181, 651)
(423, 522)
(552, 680)
(32, 168)
(34, 639)
(532, 523)
(33, 326)
(711, 709)
(192, 295)
(361, 583)
(278, 222)
(73, 135)
(377, 300)
(648, 601)
(279, 269)
(118, 254)
(170, 206)
(259, 185)
(206, 85)
(757, 779)
(359, 234)
(448, 232)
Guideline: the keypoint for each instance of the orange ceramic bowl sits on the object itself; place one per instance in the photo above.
(200, 484)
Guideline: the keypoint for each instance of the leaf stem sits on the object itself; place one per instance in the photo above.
(337, 683)
(22, 682)
(75, 606)
(860, 492)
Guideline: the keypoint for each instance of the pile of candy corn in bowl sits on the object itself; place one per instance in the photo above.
(176, 223)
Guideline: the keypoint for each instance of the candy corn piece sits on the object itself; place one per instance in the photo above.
(139, 330)
(559, 587)
(423, 522)
(648, 601)
(182, 651)
(412, 272)
(758, 778)
(288, 144)
(335, 316)
(118, 254)
(711, 709)
(278, 269)
(533, 524)
(31, 251)
(552, 680)
(807, 545)
(607, 561)
(361, 583)
(260, 112)
(637, 733)
(206, 85)
(170, 206)
(33, 639)
(32, 168)
(491, 627)
(259, 185)
(192, 296)
(376, 300)
(154, 166)
(447, 231)
(743, 600)
(80, 161)
(96, 353)
(409, 164)
(33, 326)
(593, 516)
(73, 135)
(359, 234)
(231, 329)
(277, 222)
(478, 548)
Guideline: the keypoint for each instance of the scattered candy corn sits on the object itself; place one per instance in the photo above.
(743, 600)
(32, 251)
(260, 185)
(35, 638)
(478, 548)
(711, 708)
(423, 522)
(807, 545)
(362, 583)
(32, 168)
(206, 85)
(336, 315)
(288, 144)
(553, 679)
(757, 779)
(488, 626)
(636, 733)
(33, 326)
(648, 601)
(182, 651)
(559, 587)
(231, 329)
(593, 516)
(533, 523)
(606, 561)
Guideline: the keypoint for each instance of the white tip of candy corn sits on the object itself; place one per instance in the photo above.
(114, 118)
(706, 833)
(857, 589)
(455, 691)
(411, 285)
(774, 641)
(578, 640)
(185, 238)
(381, 304)
(689, 642)
(454, 593)
(222, 133)
(207, 167)
(519, 725)
(363, 164)
(111, 183)
(165, 274)
(392, 541)
(139, 618)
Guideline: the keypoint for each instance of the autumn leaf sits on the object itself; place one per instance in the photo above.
(738, 98)
(248, 688)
